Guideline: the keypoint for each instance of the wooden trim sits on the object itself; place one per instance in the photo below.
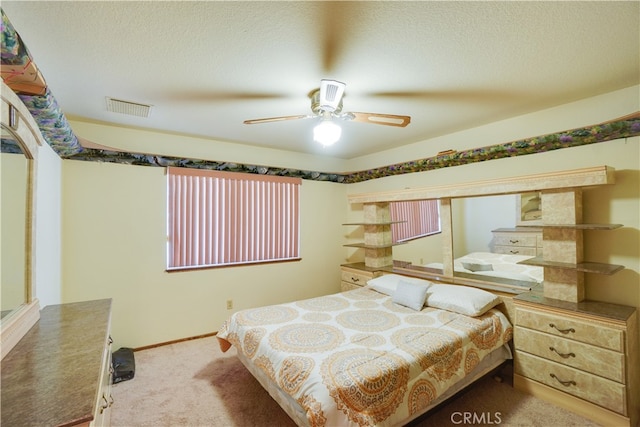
(240, 176)
(566, 401)
(25, 130)
(17, 324)
(598, 175)
(197, 337)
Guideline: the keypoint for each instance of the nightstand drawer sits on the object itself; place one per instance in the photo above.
(513, 239)
(515, 250)
(348, 286)
(601, 391)
(355, 277)
(590, 332)
(602, 362)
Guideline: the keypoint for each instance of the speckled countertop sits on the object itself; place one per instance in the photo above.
(52, 376)
(611, 311)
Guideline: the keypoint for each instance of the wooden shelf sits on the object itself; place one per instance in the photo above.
(582, 226)
(365, 246)
(375, 223)
(586, 267)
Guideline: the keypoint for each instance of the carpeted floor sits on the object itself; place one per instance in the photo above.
(194, 384)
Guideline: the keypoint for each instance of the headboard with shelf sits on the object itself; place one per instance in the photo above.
(562, 226)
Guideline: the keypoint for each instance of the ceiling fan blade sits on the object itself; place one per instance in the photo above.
(215, 96)
(380, 119)
(453, 95)
(336, 20)
(276, 119)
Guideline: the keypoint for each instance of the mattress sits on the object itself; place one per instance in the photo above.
(356, 358)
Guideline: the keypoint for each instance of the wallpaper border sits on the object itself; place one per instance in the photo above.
(624, 127)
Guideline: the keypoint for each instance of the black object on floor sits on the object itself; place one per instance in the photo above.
(124, 364)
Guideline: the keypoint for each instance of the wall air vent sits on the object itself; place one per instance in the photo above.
(127, 107)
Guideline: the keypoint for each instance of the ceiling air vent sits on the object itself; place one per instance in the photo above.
(128, 107)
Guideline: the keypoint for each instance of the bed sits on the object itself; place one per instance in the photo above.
(380, 355)
(489, 264)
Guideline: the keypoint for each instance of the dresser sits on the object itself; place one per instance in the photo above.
(356, 275)
(60, 372)
(579, 355)
(517, 241)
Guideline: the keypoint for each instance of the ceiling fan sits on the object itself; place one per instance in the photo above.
(326, 104)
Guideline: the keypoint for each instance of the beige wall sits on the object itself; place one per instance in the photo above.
(114, 247)
(113, 242)
(48, 214)
(13, 199)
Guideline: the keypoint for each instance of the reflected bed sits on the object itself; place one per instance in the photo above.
(489, 264)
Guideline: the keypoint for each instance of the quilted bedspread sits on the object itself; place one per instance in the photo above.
(357, 359)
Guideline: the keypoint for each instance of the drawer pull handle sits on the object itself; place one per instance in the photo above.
(514, 252)
(105, 405)
(563, 355)
(564, 383)
(355, 279)
(562, 331)
(514, 241)
(110, 340)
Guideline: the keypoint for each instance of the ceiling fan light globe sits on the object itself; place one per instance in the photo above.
(326, 133)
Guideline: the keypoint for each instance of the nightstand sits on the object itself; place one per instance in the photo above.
(356, 275)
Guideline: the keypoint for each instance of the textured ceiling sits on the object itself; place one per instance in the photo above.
(207, 66)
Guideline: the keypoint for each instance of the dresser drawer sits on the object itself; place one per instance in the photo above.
(513, 239)
(590, 332)
(602, 362)
(595, 389)
(515, 250)
(102, 416)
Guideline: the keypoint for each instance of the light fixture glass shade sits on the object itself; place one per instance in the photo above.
(327, 133)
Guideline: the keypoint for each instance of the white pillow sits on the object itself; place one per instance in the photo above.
(386, 284)
(507, 275)
(410, 295)
(477, 266)
(461, 299)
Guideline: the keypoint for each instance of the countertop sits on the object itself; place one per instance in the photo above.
(52, 376)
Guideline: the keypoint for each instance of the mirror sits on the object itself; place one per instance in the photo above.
(20, 134)
(13, 224)
(488, 245)
(477, 256)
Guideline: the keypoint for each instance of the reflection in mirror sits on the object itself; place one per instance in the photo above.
(487, 245)
(13, 224)
(478, 255)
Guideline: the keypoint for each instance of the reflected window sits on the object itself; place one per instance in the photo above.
(419, 218)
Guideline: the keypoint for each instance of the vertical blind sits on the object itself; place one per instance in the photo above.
(223, 218)
(421, 218)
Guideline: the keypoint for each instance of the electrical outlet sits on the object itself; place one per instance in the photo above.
(229, 304)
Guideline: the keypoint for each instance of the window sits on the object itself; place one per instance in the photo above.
(224, 218)
(421, 218)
